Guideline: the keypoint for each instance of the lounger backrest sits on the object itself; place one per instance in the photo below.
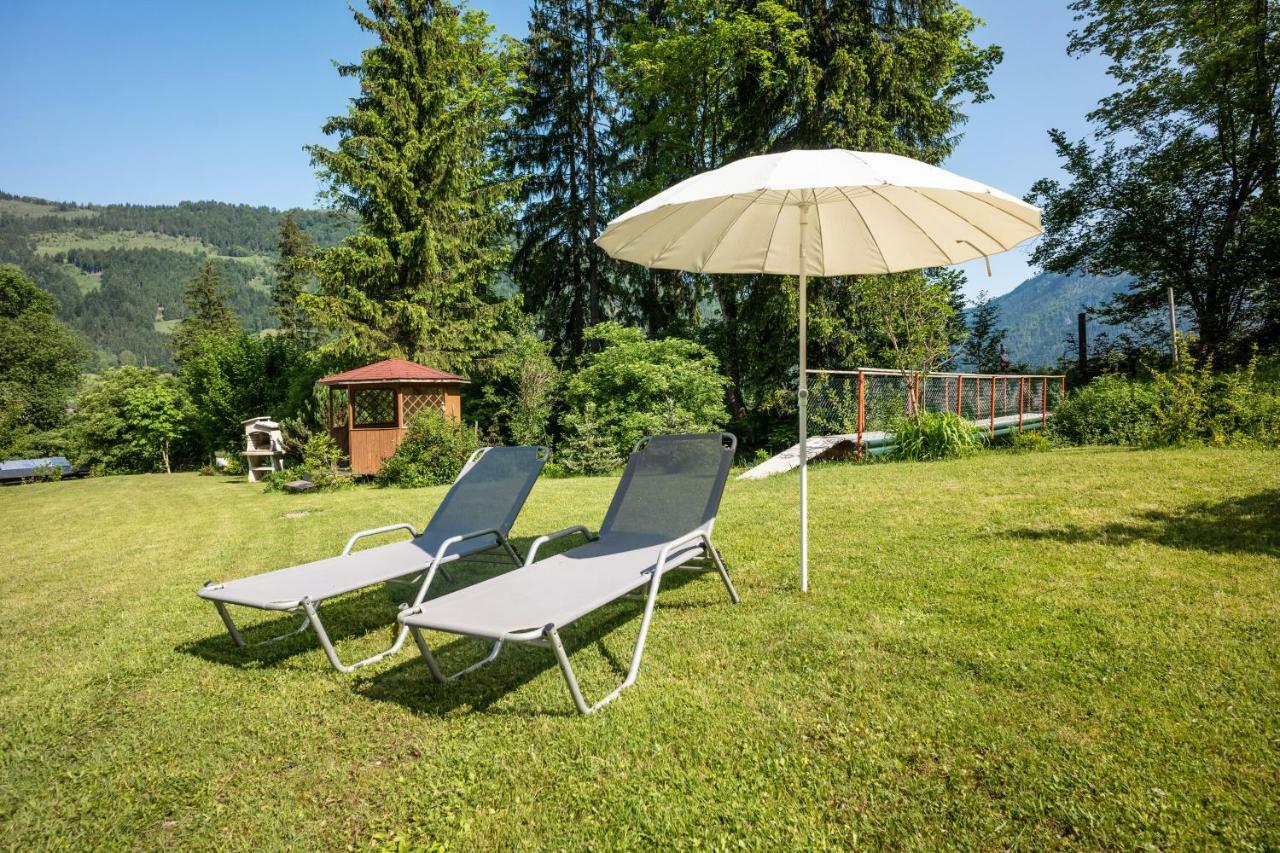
(671, 486)
(489, 492)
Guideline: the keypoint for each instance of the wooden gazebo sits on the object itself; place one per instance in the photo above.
(381, 401)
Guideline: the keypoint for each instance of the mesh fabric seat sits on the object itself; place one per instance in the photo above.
(476, 515)
(661, 518)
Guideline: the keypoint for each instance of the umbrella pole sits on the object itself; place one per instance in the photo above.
(803, 395)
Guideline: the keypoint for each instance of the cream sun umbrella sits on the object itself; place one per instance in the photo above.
(830, 212)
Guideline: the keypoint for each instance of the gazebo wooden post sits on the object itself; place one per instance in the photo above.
(351, 414)
(398, 402)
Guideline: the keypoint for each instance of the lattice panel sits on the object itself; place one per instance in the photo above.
(374, 406)
(414, 404)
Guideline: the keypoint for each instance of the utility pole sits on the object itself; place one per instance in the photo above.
(1081, 341)
(1173, 327)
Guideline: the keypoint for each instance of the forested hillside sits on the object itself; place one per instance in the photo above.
(1040, 314)
(118, 271)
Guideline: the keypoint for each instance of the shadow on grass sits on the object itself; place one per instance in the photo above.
(345, 617)
(410, 685)
(1242, 525)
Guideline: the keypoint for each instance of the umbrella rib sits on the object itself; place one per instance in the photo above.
(672, 241)
(772, 231)
(984, 198)
(917, 225)
(874, 242)
(729, 227)
(674, 209)
(977, 228)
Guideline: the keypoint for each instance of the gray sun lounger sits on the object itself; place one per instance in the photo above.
(660, 519)
(475, 516)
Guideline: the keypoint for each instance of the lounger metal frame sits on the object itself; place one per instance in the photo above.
(309, 609)
(548, 636)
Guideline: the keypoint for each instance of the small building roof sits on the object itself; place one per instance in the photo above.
(390, 370)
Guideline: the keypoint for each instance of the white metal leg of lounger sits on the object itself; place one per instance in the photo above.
(313, 615)
(238, 638)
(434, 666)
(552, 636)
(549, 636)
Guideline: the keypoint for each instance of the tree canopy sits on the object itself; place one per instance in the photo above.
(1181, 186)
(40, 360)
(416, 161)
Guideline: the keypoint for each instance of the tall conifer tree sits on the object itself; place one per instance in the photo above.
(295, 247)
(561, 147)
(208, 305)
(416, 160)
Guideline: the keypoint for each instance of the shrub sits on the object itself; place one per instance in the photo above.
(935, 435)
(1187, 404)
(1109, 410)
(47, 472)
(586, 452)
(1030, 441)
(321, 458)
(513, 393)
(642, 387)
(127, 420)
(431, 453)
(238, 376)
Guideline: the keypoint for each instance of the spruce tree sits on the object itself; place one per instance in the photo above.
(983, 349)
(416, 159)
(294, 247)
(208, 313)
(560, 145)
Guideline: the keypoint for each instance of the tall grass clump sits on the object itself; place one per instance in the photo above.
(935, 435)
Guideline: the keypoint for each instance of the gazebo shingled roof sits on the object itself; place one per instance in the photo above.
(391, 370)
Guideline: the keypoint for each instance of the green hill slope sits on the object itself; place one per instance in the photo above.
(118, 271)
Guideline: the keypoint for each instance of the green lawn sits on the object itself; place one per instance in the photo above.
(1071, 648)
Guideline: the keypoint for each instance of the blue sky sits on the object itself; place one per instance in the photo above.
(157, 102)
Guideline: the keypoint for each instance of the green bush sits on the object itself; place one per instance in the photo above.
(1187, 404)
(321, 460)
(642, 387)
(127, 419)
(430, 455)
(586, 451)
(1109, 410)
(935, 435)
(1030, 441)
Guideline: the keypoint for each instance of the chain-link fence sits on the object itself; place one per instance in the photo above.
(871, 401)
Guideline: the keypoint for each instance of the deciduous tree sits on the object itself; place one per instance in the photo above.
(1180, 187)
(40, 360)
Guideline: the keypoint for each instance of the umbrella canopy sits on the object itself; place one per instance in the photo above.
(831, 212)
(868, 213)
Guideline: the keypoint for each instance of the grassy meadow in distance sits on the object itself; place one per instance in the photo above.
(1037, 650)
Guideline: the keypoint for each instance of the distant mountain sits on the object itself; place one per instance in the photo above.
(118, 271)
(1041, 312)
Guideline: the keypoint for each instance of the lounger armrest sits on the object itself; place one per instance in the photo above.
(559, 534)
(443, 551)
(356, 537)
(700, 535)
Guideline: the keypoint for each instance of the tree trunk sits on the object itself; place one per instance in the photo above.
(593, 219)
